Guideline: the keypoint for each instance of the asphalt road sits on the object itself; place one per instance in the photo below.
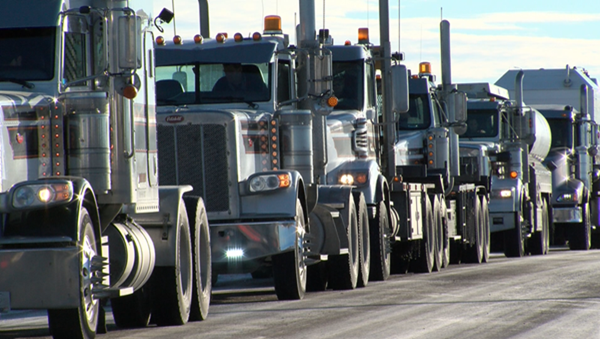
(552, 296)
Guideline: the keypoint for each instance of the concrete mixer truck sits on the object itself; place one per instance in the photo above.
(569, 99)
(516, 139)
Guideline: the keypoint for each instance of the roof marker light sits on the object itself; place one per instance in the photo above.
(177, 40)
(238, 37)
(198, 38)
(363, 35)
(273, 24)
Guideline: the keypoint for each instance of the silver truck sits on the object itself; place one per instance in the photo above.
(516, 138)
(569, 99)
(83, 219)
(247, 121)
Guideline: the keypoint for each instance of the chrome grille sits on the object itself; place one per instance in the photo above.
(196, 155)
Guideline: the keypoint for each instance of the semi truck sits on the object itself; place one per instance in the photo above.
(568, 98)
(248, 122)
(83, 220)
(440, 209)
(516, 138)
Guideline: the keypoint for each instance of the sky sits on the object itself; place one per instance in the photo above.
(487, 38)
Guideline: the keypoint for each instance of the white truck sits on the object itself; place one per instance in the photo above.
(570, 100)
(83, 219)
(516, 139)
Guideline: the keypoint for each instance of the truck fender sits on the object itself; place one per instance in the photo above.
(161, 225)
(338, 197)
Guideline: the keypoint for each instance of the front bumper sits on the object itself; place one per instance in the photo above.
(502, 221)
(567, 214)
(45, 278)
(240, 248)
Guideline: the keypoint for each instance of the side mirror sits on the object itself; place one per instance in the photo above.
(130, 42)
(399, 89)
(458, 101)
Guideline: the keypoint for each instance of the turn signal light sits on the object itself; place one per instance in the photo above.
(513, 174)
(332, 101)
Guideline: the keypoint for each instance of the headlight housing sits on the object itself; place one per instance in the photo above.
(356, 178)
(567, 197)
(41, 194)
(502, 194)
(269, 182)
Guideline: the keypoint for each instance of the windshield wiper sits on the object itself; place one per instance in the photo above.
(19, 81)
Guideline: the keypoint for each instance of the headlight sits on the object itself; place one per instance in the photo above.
(42, 194)
(269, 182)
(358, 178)
(567, 197)
(502, 194)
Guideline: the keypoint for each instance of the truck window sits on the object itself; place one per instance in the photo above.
(348, 84)
(418, 116)
(562, 133)
(20, 60)
(283, 81)
(482, 123)
(212, 83)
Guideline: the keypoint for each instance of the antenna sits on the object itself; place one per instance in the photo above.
(441, 13)
(174, 19)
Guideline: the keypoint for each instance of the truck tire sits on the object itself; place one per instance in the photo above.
(424, 263)
(289, 269)
(485, 221)
(317, 277)
(172, 286)
(202, 287)
(540, 240)
(514, 241)
(364, 242)
(134, 310)
(439, 240)
(445, 235)
(474, 253)
(579, 235)
(380, 247)
(81, 322)
(343, 268)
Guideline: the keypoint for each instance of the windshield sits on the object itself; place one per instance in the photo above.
(348, 84)
(418, 116)
(27, 53)
(562, 133)
(481, 123)
(212, 83)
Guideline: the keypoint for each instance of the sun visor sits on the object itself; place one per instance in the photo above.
(216, 53)
(27, 13)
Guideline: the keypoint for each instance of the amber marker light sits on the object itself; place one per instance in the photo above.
(284, 180)
(221, 37)
(256, 36)
(361, 178)
(332, 101)
(130, 92)
(363, 35)
(347, 43)
(425, 68)
(238, 37)
(177, 40)
(513, 174)
(198, 38)
(160, 40)
(273, 24)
